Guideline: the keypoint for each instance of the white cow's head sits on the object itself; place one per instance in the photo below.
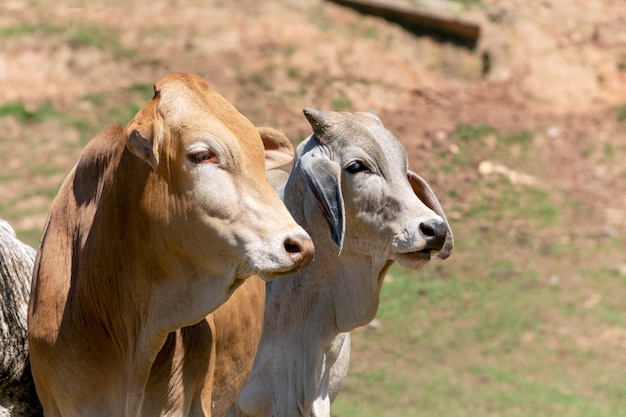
(357, 172)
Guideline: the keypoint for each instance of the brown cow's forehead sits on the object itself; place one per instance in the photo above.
(188, 101)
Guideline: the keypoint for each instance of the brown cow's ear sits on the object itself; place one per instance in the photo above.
(427, 196)
(278, 149)
(144, 134)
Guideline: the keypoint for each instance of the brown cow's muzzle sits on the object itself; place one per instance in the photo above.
(282, 255)
(300, 249)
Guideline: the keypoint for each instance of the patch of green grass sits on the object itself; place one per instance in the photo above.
(144, 91)
(31, 237)
(109, 112)
(465, 3)
(8, 176)
(24, 115)
(467, 132)
(621, 113)
(257, 80)
(517, 138)
(532, 203)
(47, 111)
(341, 103)
(470, 3)
(27, 29)
(468, 136)
(77, 36)
(289, 50)
(44, 170)
(97, 99)
(293, 73)
(83, 36)
(15, 31)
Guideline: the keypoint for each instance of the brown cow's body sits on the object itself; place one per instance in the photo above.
(154, 228)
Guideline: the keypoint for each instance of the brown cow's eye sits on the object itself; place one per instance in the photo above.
(357, 166)
(203, 156)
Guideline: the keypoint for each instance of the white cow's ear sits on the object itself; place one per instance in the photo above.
(144, 133)
(428, 197)
(425, 193)
(324, 179)
(278, 149)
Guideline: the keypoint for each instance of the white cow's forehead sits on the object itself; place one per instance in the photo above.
(359, 135)
(378, 145)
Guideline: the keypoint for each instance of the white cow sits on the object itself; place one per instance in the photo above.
(17, 391)
(351, 189)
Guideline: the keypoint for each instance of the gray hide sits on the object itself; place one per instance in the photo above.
(351, 189)
(17, 391)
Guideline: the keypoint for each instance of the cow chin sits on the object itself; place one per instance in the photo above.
(271, 275)
(281, 270)
(413, 260)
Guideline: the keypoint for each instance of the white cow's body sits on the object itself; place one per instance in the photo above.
(351, 175)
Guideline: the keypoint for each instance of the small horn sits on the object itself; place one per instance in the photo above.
(318, 120)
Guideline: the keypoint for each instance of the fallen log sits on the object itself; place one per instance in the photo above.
(418, 19)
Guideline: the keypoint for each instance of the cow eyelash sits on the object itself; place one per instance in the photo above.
(357, 166)
(202, 156)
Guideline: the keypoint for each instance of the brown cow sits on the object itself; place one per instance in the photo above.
(155, 227)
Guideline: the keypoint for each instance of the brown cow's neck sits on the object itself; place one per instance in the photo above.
(106, 309)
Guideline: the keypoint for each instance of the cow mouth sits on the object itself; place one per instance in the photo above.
(279, 272)
(415, 259)
(423, 254)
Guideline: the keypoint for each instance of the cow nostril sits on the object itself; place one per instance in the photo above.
(299, 249)
(435, 233)
(427, 230)
(292, 247)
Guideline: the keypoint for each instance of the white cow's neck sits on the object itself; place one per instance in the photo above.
(306, 318)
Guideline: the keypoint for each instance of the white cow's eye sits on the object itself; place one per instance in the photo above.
(357, 166)
(203, 157)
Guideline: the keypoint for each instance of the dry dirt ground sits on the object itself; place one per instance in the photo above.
(556, 69)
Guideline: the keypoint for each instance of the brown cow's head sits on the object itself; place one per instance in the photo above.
(209, 189)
